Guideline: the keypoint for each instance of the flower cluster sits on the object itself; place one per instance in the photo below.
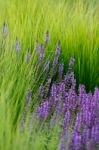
(78, 112)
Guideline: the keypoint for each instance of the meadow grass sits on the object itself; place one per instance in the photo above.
(76, 25)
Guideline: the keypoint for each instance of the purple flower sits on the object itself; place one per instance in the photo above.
(41, 53)
(78, 123)
(49, 80)
(90, 145)
(47, 37)
(47, 65)
(61, 66)
(89, 118)
(17, 45)
(62, 143)
(86, 135)
(5, 29)
(96, 95)
(29, 96)
(71, 63)
(41, 90)
(61, 88)
(67, 119)
(57, 53)
(28, 55)
(77, 141)
(43, 109)
(55, 62)
(82, 94)
(36, 45)
(54, 91)
(95, 133)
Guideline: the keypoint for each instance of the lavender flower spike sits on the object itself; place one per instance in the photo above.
(17, 45)
(58, 49)
(47, 65)
(41, 90)
(47, 37)
(28, 55)
(72, 60)
(91, 145)
(29, 95)
(41, 53)
(61, 66)
(43, 109)
(36, 45)
(5, 29)
(55, 62)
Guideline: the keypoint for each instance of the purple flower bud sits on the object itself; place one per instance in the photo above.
(61, 88)
(55, 62)
(89, 118)
(49, 80)
(78, 123)
(90, 145)
(41, 91)
(54, 91)
(77, 141)
(95, 133)
(43, 109)
(36, 45)
(57, 53)
(62, 145)
(41, 53)
(82, 94)
(47, 37)
(5, 29)
(17, 45)
(28, 55)
(47, 65)
(67, 119)
(86, 135)
(61, 66)
(29, 96)
(96, 95)
(72, 60)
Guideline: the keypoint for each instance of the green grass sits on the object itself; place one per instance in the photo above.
(76, 24)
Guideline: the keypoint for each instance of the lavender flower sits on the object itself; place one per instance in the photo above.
(61, 66)
(49, 80)
(90, 145)
(54, 91)
(28, 55)
(72, 60)
(5, 30)
(55, 62)
(78, 123)
(17, 45)
(29, 96)
(95, 133)
(86, 136)
(67, 119)
(82, 94)
(41, 53)
(57, 53)
(47, 37)
(41, 90)
(47, 65)
(36, 45)
(61, 88)
(43, 109)
(76, 141)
